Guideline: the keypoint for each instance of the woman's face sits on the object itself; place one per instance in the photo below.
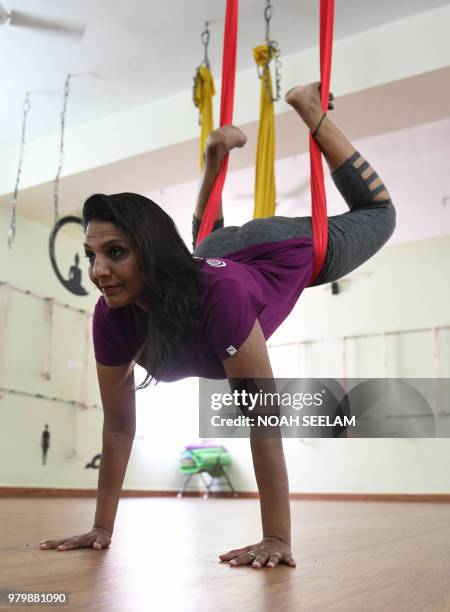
(112, 264)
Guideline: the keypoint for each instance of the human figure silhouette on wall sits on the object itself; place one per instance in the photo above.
(45, 444)
(74, 282)
(95, 462)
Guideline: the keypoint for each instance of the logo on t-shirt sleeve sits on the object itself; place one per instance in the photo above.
(216, 263)
(231, 349)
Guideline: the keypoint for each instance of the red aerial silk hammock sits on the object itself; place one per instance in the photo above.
(319, 201)
(226, 112)
(318, 195)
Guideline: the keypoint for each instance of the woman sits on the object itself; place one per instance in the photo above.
(210, 314)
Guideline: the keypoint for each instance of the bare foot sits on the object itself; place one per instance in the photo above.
(221, 141)
(306, 101)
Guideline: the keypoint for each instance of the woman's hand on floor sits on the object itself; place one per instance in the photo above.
(97, 539)
(270, 552)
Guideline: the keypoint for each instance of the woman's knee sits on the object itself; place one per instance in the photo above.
(354, 237)
(389, 217)
(218, 243)
(377, 223)
(196, 228)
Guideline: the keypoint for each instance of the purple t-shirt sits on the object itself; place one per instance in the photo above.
(260, 282)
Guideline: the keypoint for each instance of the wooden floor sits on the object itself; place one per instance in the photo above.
(351, 556)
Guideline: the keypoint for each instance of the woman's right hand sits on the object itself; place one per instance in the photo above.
(98, 538)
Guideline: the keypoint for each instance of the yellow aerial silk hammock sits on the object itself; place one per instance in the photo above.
(204, 90)
(265, 154)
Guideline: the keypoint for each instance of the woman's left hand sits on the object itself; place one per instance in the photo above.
(269, 552)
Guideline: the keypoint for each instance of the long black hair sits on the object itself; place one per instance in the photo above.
(171, 276)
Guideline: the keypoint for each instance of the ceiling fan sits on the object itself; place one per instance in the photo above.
(51, 25)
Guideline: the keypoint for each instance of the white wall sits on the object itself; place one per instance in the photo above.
(24, 355)
(406, 288)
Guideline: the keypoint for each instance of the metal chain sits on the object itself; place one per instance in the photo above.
(12, 226)
(204, 36)
(268, 16)
(273, 45)
(273, 51)
(61, 150)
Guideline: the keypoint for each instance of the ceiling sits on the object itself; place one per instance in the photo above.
(137, 51)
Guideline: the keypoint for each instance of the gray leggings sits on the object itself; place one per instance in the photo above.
(353, 237)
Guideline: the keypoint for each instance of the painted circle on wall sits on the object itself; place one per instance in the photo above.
(74, 281)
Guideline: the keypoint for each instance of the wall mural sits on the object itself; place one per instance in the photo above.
(73, 282)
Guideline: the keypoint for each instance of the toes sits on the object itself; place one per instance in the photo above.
(288, 95)
(330, 102)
